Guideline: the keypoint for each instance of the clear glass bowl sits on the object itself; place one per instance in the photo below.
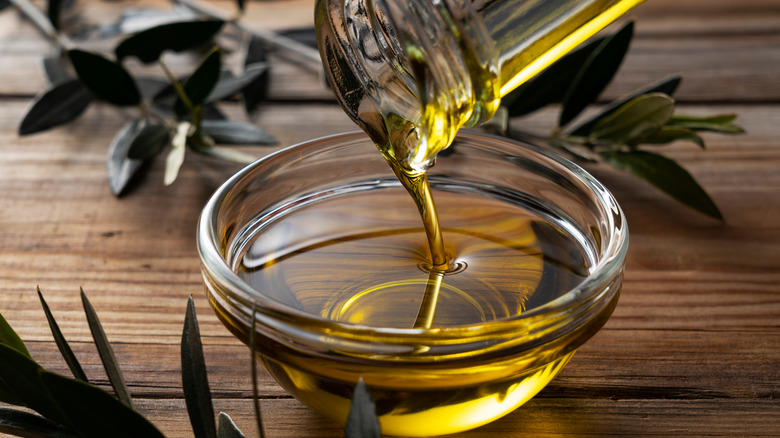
(272, 241)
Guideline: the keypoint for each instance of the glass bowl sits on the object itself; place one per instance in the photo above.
(322, 244)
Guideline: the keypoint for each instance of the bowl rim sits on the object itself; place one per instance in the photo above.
(583, 296)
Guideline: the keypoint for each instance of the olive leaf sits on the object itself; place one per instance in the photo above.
(200, 84)
(20, 375)
(666, 86)
(550, 85)
(228, 87)
(120, 168)
(29, 425)
(227, 428)
(720, 123)
(637, 117)
(9, 337)
(362, 421)
(54, 11)
(175, 157)
(93, 412)
(149, 142)
(62, 344)
(666, 175)
(150, 44)
(241, 5)
(257, 90)
(57, 106)
(668, 134)
(596, 73)
(106, 78)
(106, 353)
(236, 132)
(194, 378)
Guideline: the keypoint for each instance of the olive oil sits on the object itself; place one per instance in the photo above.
(362, 258)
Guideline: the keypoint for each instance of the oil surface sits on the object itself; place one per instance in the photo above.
(363, 259)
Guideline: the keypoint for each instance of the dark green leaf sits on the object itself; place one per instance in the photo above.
(19, 374)
(55, 70)
(56, 107)
(596, 73)
(669, 134)
(149, 45)
(257, 91)
(362, 421)
(106, 78)
(304, 35)
(62, 344)
(194, 378)
(149, 142)
(20, 423)
(4, 4)
(120, 168)
(227, 428)
(9, 337)
(106, 352)
(666, 86)
(241, 6)
(202, 81)
(54, 11)
(720, 123)
(666, 175)
(236, 132)
(637, 117)
(95, 413)
(228, 87)
(550, 85)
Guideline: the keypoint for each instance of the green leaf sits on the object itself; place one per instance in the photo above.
(202, 81)
(550, 85)
(236, 132)
(95, 413)
(150, 44)
(106, 78)
(227, 428)
(106, 352)
(19, 374)
(720, 123)
(241, 5)
(639, 116)
(256, 92)
(175, 157)
(228, 87)
(149, 142)
(666, 175)
(666, 86)
(54, 11)
(20, 423)
(669, 134)
(62, 344)
(362, 421)
(9, 337)
(194, 378)
(596, 73)
(120, 168)
(57, 106)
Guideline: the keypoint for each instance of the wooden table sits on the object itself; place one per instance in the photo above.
(693, 348)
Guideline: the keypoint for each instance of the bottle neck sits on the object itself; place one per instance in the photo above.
(410, 73)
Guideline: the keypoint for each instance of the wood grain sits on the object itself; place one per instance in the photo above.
(693, 348)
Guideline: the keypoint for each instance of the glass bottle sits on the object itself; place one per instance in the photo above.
(413, 72)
